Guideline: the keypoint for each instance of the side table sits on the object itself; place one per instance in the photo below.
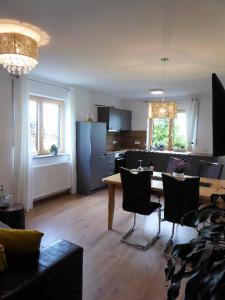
(13, 216)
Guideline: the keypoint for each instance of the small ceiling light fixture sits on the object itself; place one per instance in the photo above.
(19, 44)
(157, 92)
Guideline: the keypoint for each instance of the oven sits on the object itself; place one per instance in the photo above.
(119, 161)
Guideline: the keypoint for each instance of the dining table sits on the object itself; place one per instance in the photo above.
(208, 186)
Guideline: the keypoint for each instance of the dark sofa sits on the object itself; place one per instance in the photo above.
(55, 274)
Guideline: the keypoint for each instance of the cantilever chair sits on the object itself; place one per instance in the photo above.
(210, 170)
(180, 197)
(136, 198)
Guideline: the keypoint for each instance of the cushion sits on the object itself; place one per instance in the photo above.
(20, 241)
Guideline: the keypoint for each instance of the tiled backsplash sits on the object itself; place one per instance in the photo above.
(113, 141)
(126, 140)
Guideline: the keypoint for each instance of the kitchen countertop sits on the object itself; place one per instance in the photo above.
(161, 152)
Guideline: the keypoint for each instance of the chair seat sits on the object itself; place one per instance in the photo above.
(144, 210)
(153, 206)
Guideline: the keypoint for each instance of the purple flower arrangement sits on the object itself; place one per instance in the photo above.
(179, 165)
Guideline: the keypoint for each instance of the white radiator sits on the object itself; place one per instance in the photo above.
(51, 179)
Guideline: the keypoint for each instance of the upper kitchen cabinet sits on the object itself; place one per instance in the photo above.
(125, 119)
(116, 119)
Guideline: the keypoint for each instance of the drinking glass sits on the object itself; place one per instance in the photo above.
(140, 168)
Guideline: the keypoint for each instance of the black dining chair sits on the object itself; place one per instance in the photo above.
(181, 195)
(170, 165)
(210, 170)
(136, 188)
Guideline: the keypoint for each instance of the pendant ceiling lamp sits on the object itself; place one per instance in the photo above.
(163, 109)
(19, 44)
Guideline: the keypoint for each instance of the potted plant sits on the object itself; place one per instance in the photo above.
(202, 259)
(179, 166)
(160, 146)
(54, 149)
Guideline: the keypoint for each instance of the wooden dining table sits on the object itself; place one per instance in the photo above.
(217, 186)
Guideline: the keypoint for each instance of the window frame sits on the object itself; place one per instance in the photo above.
(170, 146)
(40, 130)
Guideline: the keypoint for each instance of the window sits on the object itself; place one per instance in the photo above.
(169, 134)
(160, 132)
(46, 124)
(180, 131)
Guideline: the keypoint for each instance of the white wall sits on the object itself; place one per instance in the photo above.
(39, 87)
(204, 136)
(6, 129)
(140, 112)
(86, 101)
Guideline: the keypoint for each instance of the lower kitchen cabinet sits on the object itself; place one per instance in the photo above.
(110, 165)
(160, 160)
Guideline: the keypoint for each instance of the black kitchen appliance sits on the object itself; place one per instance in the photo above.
(119, 161)
(91, 155)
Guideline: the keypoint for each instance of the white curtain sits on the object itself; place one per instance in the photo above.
(22, 152)
(71, 136)
(192, 126)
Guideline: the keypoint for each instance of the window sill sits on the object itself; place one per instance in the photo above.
(48, 155)
(172, 151)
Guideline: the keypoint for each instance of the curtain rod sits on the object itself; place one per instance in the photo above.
(52, 84)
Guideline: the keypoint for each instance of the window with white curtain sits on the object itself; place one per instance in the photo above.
(46, 118)
(162, 131)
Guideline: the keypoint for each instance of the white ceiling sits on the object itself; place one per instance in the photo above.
(115, 46)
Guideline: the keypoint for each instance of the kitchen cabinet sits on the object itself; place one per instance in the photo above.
(125, 119)
(160, 160)
(115, 118)
(109, 164)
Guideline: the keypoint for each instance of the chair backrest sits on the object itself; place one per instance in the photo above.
(170, 165)
(210, 170)
(180, 195)
(136, 191)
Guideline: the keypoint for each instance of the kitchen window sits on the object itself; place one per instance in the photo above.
(167, 133)
(180, 140)
(46, 119)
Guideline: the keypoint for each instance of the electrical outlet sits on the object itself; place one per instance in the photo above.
(114, 142)
(137, 142)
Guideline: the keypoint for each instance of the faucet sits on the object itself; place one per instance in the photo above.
(148, 148)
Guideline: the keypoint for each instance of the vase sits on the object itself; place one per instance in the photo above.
(180, 175)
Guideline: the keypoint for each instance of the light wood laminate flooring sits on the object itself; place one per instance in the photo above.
(112, 270)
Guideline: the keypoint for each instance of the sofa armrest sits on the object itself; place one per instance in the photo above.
(58, 274)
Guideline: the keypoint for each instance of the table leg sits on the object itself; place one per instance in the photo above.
(111, 205)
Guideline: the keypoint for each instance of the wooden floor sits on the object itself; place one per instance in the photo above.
(112, 270)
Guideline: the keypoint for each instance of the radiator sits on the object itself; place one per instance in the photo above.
(50, 179)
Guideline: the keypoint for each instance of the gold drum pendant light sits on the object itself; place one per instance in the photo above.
(163, 109)
(18, 53)
(19, 42)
